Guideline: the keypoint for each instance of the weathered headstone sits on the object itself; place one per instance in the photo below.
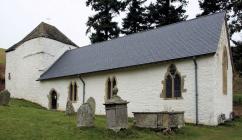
(86, 114)
(92, 103)
(69, 108)
(4, 97)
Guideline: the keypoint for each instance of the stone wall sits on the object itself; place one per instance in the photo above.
(223, 102)
(25, 65)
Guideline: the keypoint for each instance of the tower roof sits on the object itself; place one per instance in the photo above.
(47, 31)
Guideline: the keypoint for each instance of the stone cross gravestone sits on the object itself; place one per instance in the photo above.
(86, 114)
(4, 97)
(69, 108)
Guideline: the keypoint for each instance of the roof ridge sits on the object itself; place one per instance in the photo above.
(172, 24)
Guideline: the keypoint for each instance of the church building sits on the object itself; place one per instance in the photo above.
(186, 66)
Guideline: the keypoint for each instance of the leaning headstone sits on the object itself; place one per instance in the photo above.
(85, 114)
(69, 108)
(92, 103)
(4, 97)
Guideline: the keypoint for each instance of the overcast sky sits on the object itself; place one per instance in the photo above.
(20, 17)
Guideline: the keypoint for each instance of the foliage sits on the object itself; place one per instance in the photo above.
(213, 6)
(237, 99)
(237, 56)
(165, 12)
(236, 25)
(26, 120)
(135, 20)
(102, 22)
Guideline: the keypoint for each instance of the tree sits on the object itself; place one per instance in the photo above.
(213, 6)
(135, 20)
(237, 55)
(236, 24)
(165, 12)
(101, 26)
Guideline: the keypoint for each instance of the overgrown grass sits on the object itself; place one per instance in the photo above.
(22, 120)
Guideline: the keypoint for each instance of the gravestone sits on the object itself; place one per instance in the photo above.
(69, 108)
(86, 114)
(4, 97)
(116, 113)
(92, 103)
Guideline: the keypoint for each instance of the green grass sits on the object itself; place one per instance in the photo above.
(22, 120)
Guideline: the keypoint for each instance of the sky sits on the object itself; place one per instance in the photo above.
(20, 17)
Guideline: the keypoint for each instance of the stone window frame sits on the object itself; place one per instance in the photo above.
(111, 79)
(225, 71)
(50, 100)
(182, 78)
(72, 95)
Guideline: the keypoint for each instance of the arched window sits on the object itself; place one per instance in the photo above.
(110, 84)
(177, 86)
(109, 89)
(73, 91)
(168, 86)
(70, 91)
(172, 83)
(225, 70)
(114, 82)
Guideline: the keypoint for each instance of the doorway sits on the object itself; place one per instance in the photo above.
(53, 99)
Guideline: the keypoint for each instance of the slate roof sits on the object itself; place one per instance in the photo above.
(47, 31)
(180, 40)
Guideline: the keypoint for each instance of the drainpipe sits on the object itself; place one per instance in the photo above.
(196, 88)
(84, 89)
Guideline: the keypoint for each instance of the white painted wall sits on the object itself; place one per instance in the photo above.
(26, 64)
(140, 85)
(223, 103)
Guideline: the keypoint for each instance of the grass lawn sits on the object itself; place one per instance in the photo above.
(24, 120)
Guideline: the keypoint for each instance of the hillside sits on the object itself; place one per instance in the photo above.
(24, 120)
(2, 56)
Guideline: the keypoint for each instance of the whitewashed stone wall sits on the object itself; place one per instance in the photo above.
(223, 103)
(26, 64)
(140, 85)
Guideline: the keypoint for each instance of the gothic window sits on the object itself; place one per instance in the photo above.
(225, 70)
(110, 84)
(177, 86)
(109, 89)
(169, 86)
(114, 82)
(172, 83)
(73, 91)
(70, 91)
